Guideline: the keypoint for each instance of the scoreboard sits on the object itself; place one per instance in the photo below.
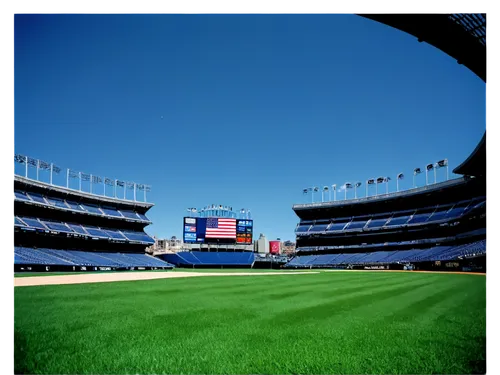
(217, 230)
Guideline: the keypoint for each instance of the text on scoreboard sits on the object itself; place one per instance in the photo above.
(217, 229)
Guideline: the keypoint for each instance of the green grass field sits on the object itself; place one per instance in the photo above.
(331, 322)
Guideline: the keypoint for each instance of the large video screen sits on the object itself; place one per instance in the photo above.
(217, 230)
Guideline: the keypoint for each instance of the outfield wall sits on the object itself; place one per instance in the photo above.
(45, 268)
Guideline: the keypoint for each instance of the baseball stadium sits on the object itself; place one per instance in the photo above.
(393, 282)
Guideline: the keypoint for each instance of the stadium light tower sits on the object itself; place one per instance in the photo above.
(347, 185)
(380, 180)
(305, 191)
(314, 190)
(386, 180)
(334, 188)
(309, 190)
(428, 167)
(441, 164)
(399, 177)
(369, 182)
(356, 185)
(415, 172)
(325, 189)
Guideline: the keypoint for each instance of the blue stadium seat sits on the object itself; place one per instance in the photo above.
(336, 227)
(398, 221)
(376, 223)
(129, 214)
(444, 253)
(188, 258)
(143, 217)
(33, 223)
(138, 236)
(438, 215)
(35, 197)
(475, 206)
(38, 256)
(60, 227)
(85, 258)
(419, 218)
(114, 234)
(18, 222)
(77, 228)
(74, 206)
(111, 211)
(95, 232)
(92, 209)
(21, 195)
(302, 228)
(318, 228)
(456, 211)
(56, 202)
(356, 225)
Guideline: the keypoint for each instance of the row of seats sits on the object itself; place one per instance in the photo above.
(443, 253)
(80, 207)
(51, 257)
(190, 258)
(393, 220)
(428, 241)
(89, 231)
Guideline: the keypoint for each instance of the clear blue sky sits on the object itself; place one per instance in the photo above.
(240, 110)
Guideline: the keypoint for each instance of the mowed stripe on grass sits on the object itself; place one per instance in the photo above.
(323, 323)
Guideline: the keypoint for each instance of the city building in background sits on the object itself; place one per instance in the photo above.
(262, 245)
(172, 244)
(288, 248)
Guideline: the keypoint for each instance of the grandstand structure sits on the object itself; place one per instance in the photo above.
(62, 229)
(424, 227)
(215, 236)
(461, 36)
(438, 226)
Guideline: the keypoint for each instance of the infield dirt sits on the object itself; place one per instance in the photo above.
(132, 276)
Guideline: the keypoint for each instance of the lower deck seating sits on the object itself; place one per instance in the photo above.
(443, 253)
(193, 258)
(25, 255)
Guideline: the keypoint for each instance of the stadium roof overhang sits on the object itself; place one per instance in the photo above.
(475, 164)
(454, 190)
(459, 35)
(76, 194)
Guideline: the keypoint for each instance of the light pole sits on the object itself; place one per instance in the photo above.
(334, 187)
(304, 191)
(428, 167)
(415, 172)
(325, 188)
(369, 182)
(380, 180)
(315, 190)
(386, 180)
(441, 164)
(399, 177)
(356, 185)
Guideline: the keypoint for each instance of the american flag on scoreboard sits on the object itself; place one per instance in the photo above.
(221, 228)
